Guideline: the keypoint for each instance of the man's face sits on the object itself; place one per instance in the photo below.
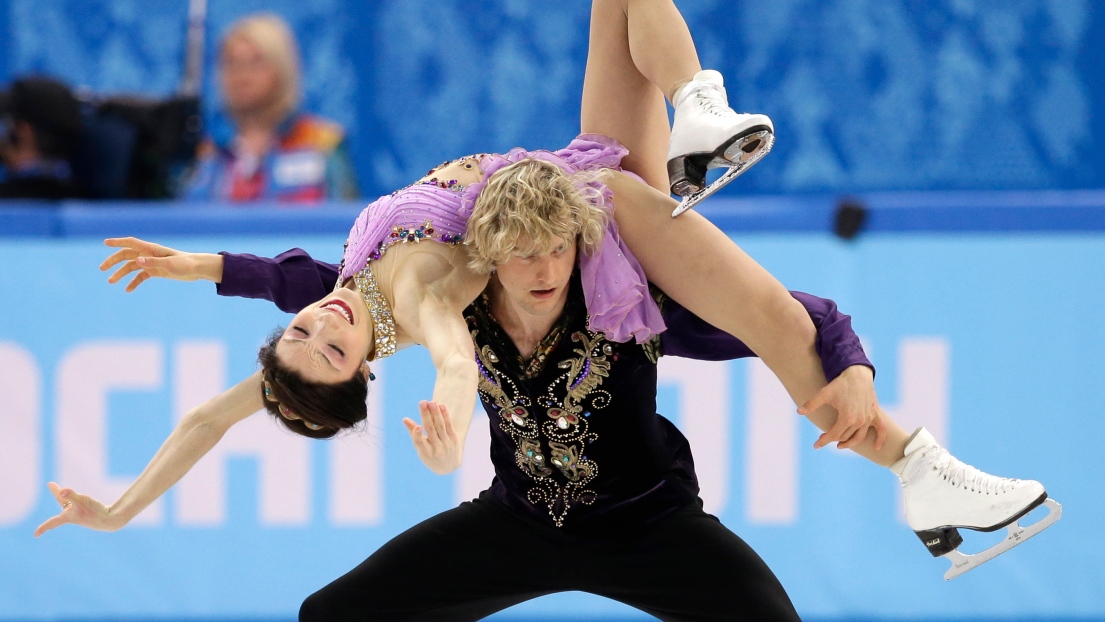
(536, 283)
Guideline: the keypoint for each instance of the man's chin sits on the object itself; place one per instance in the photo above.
(547, 306)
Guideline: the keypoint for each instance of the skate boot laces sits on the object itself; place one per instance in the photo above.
(967, 477)
(711, 98)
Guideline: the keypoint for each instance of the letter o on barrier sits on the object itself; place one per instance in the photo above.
(20, 433)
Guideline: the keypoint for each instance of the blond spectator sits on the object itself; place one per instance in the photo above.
(261, 145)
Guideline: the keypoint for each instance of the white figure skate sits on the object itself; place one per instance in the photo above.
(942, 494)
(707, 134)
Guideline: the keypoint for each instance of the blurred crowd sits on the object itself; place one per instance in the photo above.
(257, 144)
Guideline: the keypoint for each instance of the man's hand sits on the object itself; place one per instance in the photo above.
(435, 440)
(154, 260)
(852, 394)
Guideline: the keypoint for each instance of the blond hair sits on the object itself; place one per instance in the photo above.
(529, 206)
(272, 36)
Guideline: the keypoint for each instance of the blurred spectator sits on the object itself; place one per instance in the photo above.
(262, 146)
(41, 131)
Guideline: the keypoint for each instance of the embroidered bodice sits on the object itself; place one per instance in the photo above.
(575, 433)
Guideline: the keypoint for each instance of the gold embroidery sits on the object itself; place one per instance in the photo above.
(585, 374)
(652, 349)
(565, 425)
(530, 459)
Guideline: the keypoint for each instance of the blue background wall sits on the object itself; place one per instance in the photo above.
(865, 94)
(991, 338)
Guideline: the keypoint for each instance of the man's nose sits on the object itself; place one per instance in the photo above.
(544, 268)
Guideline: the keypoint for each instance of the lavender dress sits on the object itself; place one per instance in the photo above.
(614, 285)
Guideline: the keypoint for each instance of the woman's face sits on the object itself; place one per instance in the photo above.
(328, 341)
(250, 81)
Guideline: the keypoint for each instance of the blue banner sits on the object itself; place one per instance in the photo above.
(993, 342)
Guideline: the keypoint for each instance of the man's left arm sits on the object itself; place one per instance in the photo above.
(292, 280)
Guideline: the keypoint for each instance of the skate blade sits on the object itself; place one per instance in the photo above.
(737, 159)
(1015, 535)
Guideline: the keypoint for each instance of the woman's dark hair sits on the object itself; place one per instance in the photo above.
(335, 407)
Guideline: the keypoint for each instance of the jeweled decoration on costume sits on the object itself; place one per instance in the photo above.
(383, 323)
(565, 431)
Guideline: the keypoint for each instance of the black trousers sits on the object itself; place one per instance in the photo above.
(479, 558)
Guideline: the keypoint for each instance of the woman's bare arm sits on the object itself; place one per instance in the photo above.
(432, 286)
(195, 435)
(440, 438)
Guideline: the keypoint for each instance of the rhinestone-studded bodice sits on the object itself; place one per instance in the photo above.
(431, 209)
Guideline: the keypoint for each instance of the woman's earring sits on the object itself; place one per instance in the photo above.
(268, 391)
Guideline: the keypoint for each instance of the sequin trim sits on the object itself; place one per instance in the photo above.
(382, 320)
(564, 426)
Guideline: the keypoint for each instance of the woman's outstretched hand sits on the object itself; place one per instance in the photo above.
(154, 260)
(437, 443)
(852, 394)
(78, 510)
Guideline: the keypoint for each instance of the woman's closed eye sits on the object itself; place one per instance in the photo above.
(302, 332)
(338, 350)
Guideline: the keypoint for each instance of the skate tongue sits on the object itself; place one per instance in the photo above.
(705, 79)
(709, 75)
(921, 438)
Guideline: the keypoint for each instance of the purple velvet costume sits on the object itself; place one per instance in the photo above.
(614, 285)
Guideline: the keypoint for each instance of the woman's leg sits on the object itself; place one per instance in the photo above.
(637, 48)
(636, 45)
(696, 264)
(641, 52)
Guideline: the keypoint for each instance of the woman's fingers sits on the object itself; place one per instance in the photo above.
(127, 242)
(136, 281)
(417, 436)
(441, 423)
(429, 421)
(63, 497)
(448, 424)
(116, 257)
(134, 244)
(52, 523)
(123, 270)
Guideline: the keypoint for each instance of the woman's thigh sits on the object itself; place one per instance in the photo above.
(620, 102)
